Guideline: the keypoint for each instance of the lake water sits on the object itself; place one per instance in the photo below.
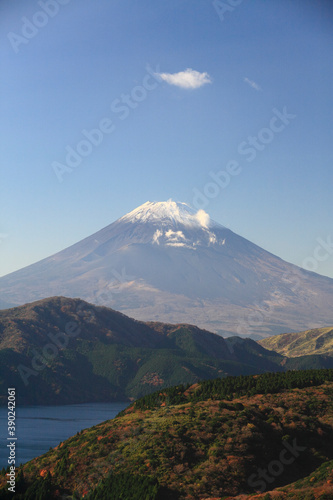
(39, 427)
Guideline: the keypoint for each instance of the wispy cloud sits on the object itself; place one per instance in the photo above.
(188, 79)
(203, 218)
(252, 84)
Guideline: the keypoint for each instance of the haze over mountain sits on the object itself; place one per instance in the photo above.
(166, 262)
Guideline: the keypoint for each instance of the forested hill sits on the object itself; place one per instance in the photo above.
(234, 387)
(65, 351)
(210, 440)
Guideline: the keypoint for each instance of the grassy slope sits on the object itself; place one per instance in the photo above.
(317, 341)
(206, 448)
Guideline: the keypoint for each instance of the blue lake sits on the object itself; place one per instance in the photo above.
(40, 427)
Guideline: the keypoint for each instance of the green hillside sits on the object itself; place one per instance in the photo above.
(223, 438)
(66, 351)
(59, 350)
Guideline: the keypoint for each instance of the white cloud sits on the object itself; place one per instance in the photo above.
(203, 218)
(252, 84)
(177, 245)
(157, 235)
(174, 235)
(212, 238)
(188, 79)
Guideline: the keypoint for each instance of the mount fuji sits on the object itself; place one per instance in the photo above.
(166, 262)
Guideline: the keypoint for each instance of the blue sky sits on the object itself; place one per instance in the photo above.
(71, 72)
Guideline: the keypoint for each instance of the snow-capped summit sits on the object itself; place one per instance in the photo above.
(166, 262)
(174, 224)
(166, 212)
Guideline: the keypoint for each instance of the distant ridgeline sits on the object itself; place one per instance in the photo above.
(230, 387)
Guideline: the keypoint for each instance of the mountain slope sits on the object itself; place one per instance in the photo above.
(204, 441)
(310, 342)
(78, 352)
(165, 262)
